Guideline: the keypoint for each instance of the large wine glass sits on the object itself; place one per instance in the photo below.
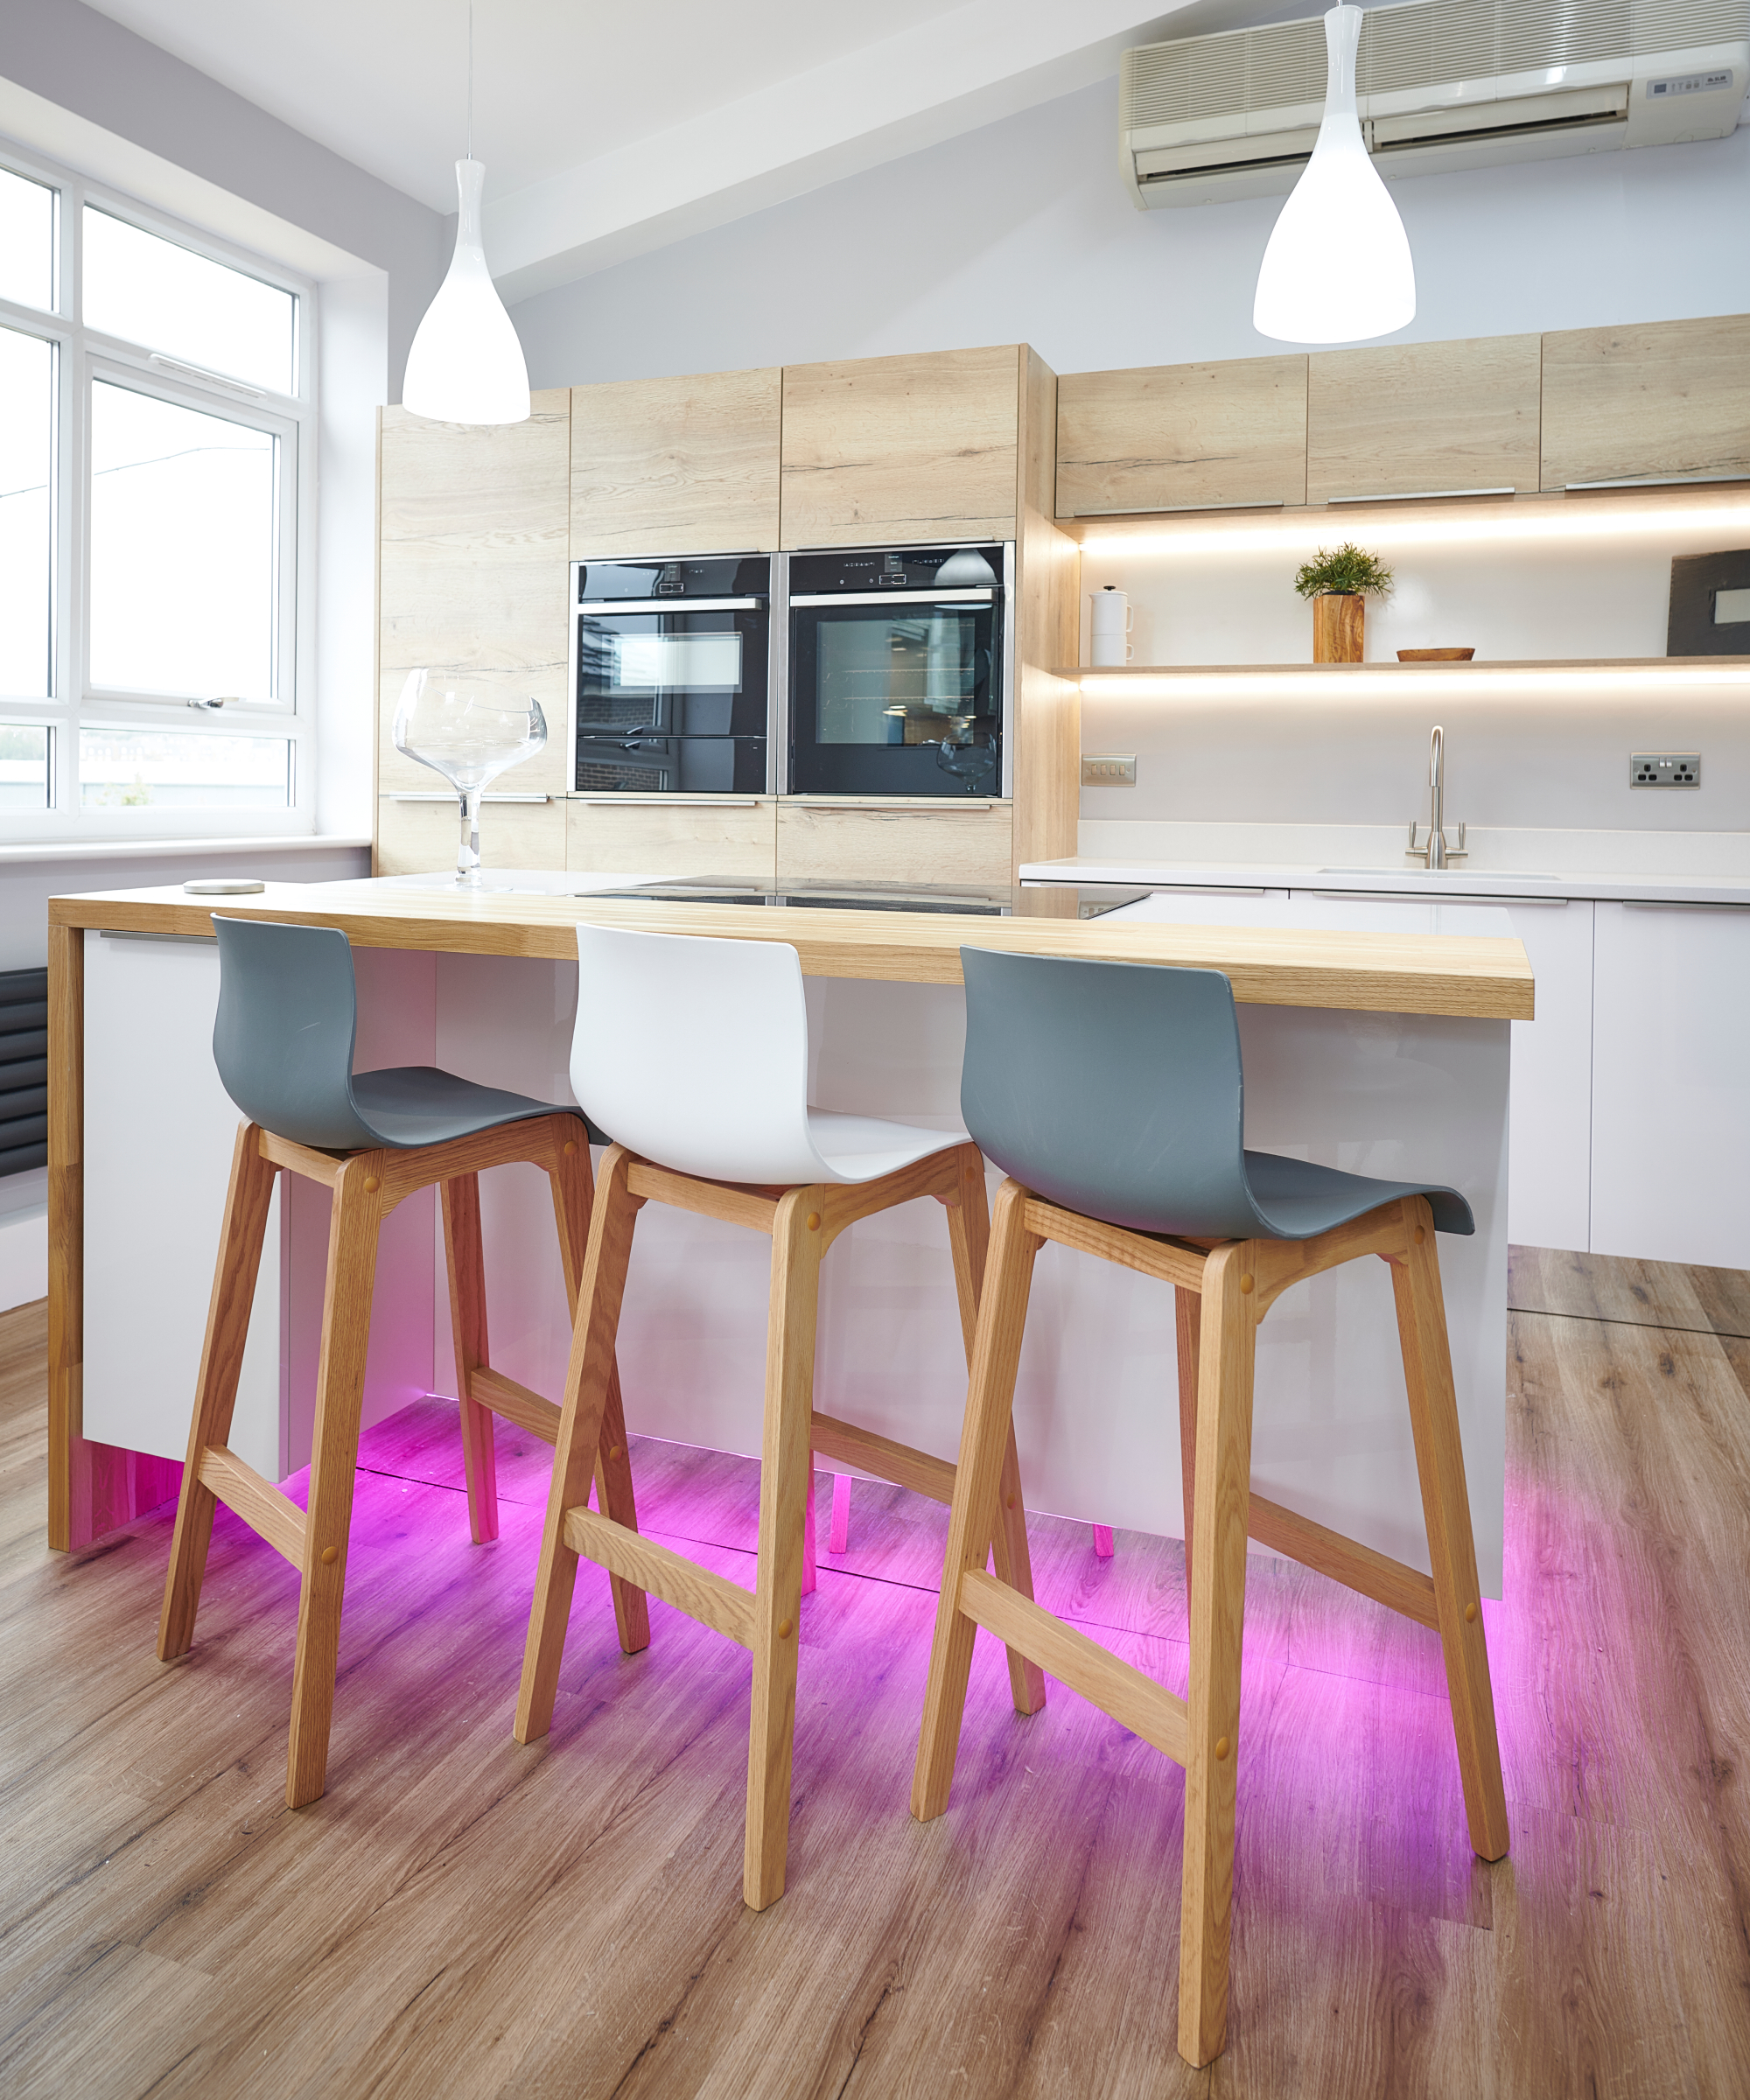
(470, 728)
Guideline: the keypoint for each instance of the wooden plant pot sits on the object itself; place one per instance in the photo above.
(1338, 627)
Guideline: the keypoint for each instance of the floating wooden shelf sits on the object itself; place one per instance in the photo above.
(1118, 672)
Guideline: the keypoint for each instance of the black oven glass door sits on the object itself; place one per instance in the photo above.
(663, 678)
(896, 699)
(671, 766)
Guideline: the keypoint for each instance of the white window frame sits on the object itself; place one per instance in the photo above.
(82, 355)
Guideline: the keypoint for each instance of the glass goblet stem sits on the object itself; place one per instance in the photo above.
(468, 852)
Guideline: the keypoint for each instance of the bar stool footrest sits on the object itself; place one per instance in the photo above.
(899, 1463)
(528, 1410)
(712, 1600)
(270, 1514)
(1133, 1700)
(1400, 1588)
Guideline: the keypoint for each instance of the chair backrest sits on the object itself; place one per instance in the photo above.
(1113, 1088)
(694, 1053)
(283, 1040)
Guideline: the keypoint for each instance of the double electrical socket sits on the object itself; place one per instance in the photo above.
(1664, 769)
(1109, 771)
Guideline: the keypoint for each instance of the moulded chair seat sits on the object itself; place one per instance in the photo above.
(284, 1039)
(700, 1064)
(1116, 1089)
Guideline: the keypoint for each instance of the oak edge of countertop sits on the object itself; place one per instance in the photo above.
(1460, 976)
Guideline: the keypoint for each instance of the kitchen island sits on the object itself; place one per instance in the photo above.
(1385, 1053)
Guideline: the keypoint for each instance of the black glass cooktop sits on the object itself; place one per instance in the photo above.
(1091, 900)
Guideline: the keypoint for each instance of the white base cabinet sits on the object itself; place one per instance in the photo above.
(1671, 1154)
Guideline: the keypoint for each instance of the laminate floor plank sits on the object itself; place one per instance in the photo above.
(460, 1914)
(1673, 1295)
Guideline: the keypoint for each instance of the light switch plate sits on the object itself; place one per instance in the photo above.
(1109, 771)
(1664, 769)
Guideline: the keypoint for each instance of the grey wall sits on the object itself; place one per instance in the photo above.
(1025, 231)
(79, 60)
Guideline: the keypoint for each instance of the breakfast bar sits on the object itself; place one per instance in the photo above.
(1375, 1052)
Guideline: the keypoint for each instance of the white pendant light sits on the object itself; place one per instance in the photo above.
(466, 365)
(1338, 267)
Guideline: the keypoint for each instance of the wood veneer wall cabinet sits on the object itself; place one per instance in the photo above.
(1181, 437)
(1666, 398)
(471, 570)
(734, 840)
(676, 466)
(903, 448)
(418, 838)
(1414, 418)
(870, 842)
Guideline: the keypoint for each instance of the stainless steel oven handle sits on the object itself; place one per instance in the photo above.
(668, 604)
(891, 598)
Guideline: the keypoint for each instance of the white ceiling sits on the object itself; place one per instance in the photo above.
(611, 126)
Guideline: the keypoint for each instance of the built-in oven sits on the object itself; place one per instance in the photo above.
(899, 671)
(669, 675)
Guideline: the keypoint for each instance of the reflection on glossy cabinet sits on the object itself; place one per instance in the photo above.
(472, 568)
(1181, 437)
(824, 842)
(1666, 398)
(901, 448)
(675, 465)
(1418, 418)
(734, 839)
(1671, 1152)
(420, 838)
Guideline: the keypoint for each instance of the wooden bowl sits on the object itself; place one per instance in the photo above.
(1435, 655)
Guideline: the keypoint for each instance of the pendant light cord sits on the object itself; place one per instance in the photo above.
(470, 78)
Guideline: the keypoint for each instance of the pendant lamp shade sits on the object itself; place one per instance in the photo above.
(466, 365)
(1338, 267)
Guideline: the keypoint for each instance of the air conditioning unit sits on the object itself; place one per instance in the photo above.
(1440, 84)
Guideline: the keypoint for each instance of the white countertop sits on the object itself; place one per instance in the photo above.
(1492, 884)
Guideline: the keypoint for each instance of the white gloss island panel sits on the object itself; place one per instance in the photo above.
(1097, 1408)
(159, 1129)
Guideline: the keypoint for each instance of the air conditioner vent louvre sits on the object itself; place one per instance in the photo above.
(1688, 24)
(1410, 46)
(1172, 83)
(1285, 65)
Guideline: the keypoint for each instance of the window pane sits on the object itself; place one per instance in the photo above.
(26, 513)
(26, 240)
(183, 550)
(180, 769)
(23, 768)
(170, 300)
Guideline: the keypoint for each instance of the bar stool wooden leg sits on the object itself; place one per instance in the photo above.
(786, 1472)
(589, 1380)
(1445, 1504)
(340, 1393)
(983, 1445)
(1188, 1313)
(467, 1274)
(573, 1202)
(1227, 1343)
(969, 1238)
(221, 1357)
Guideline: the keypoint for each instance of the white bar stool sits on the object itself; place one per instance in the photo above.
(695, 1055)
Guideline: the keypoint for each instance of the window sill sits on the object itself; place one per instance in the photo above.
(137, 849)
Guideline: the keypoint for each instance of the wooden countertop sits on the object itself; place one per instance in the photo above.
(1456, 974)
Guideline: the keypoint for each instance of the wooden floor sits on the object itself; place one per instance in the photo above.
(461, 1917)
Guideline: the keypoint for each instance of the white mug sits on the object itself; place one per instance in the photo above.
(1113, 617)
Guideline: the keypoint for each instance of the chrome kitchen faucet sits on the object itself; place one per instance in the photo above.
(1433, 849)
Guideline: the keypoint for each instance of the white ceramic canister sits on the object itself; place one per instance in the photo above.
(1110, 628)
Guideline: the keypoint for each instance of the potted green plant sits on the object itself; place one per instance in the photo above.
(1339, 581)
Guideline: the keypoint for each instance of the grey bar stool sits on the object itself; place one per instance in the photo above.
(283, 1041)
(1112, 1095)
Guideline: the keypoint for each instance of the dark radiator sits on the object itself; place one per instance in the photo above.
(24, 1069)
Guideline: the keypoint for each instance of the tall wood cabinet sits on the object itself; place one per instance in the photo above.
(676, 466)
(473, 532)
